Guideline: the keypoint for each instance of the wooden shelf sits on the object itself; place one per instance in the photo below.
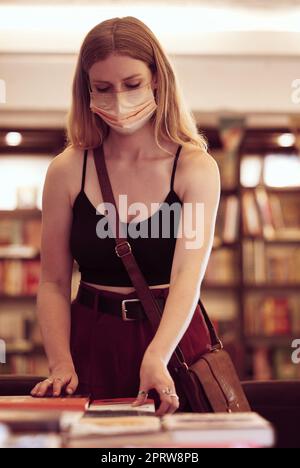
(23, 214)
(229, 191)
(227, 245)
(272, 241)
(272, 286)
(283, 190)
(220, 286)
(270, 341)
(33, 351)
(23, 297)
(24, 259)
(275, 190)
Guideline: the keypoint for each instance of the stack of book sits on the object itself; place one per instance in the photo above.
(267, 264)
(115, 423)
(272, 315)
(270, 215)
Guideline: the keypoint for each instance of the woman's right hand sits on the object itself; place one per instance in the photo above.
(62, 378)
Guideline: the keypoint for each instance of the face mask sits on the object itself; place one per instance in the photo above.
(125, 111)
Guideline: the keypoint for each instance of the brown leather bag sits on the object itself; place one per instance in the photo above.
(211, 384)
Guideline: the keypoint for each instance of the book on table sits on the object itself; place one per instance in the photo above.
(27, 402)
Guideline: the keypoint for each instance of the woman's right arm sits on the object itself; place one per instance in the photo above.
(54, 292)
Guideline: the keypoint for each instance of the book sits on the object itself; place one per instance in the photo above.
(39, 441)
(27, 402)
(120, 407)
(224, 428)
(251, 219)
(272, 315)
(19, 277)
(231, 222)
(262, 366)
(270, 264)
(265, 211)
(24, 421)
(222, 267)
(109, 425)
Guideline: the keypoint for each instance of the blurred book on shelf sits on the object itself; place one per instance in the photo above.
(18, 236)
(227, 223)
(274, 363)
(262, 366)
(270, 264)
(271, 216)
(223, 267)
(284, 367)
(272, 315)
(27, 364)
(19, 278)
(251, 220)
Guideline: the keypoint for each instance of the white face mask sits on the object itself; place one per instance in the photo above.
(125, 111)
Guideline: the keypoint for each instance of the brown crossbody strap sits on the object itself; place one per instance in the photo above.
(123, 250)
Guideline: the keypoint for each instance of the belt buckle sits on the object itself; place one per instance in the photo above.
(124, 310)
(122, 244)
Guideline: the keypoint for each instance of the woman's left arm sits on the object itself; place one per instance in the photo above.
(200, 183)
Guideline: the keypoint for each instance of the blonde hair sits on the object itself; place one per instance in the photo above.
(130, 37)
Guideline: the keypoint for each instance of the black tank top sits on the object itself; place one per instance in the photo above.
(96, 257)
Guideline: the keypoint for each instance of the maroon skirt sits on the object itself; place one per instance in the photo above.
(108, 351)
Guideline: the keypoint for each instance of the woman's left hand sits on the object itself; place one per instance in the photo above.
(155, 375)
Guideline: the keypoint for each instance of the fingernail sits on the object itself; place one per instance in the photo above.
(69, 391)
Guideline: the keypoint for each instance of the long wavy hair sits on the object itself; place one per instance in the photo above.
(130, 37)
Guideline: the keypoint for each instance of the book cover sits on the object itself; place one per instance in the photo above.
(88, 426)
(25, 421)
(120, 407)
(246, 428)
(28, 402)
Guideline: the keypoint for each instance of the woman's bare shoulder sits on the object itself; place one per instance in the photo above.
(197, 165)
(66, 166)
(64, 173)
(67, 160)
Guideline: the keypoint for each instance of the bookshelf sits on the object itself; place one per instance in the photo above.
(255, 311)
(267, 298)
(22, 170)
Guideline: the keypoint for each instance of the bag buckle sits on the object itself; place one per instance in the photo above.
(124, 310)
(219, 346)
(122, 244)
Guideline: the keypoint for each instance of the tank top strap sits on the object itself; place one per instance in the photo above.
(174, 167)
(84, 169)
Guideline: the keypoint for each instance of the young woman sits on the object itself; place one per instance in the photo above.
(125, 100)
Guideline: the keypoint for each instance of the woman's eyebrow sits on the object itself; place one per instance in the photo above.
(124, 79)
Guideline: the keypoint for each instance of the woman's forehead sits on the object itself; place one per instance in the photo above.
(117, 68)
